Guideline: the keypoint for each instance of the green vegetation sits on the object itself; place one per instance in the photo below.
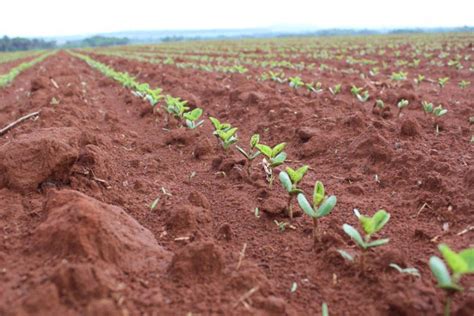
(322, 206)
(461, 263)
(251, 154)
(274, 157)
(290, 180)
(13, 73)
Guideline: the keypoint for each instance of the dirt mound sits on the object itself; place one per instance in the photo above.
(80, 227)
(31, 159)
(372, 146)
(188, 220)
(198, 261)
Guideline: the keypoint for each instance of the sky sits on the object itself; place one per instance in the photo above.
(61, 17)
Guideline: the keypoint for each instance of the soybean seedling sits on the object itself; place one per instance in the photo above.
(296, 82)
(443, 81)
(419, 79)
(379, 104)
(336, 89)
(227, 137)
(463, 84)
(399, 76)
(274, 157)
(401, 105)
(460, 264)
(219, 128)
(314, 87)
(176, 106)
(370, 225)
(290, 179)
(251, 154)
(192, 117)
(322, 206)
(436, 111)
(154, 96)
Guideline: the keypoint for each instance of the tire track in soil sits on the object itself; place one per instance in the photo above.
(112, 134)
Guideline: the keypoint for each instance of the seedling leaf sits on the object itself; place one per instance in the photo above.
(285, 181)
(305, 206)
(327, 206)
(354, 234)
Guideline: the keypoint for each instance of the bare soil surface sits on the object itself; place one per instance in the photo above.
(76, 184)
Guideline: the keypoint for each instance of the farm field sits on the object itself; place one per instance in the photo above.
(113, 201)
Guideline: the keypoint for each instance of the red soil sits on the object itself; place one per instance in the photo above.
(79, 237)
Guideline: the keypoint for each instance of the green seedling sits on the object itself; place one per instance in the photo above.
(322, 206)
(463, 84)
(227, 137)
(443, 81)
(401, 105)
(419, 79)
(438, 112)
(274, 157)
(154, 96)
(336, 89)
(251, 154)
(370, 225)
(374, 71)
(427, 107)
(290, 179)
(176, 106)
(296, 82)
(399, 76)
(192, 117)
(364, 96)
(379, 104)
(314, 87)
(356, 90)
(219, 127)
(277, 76)
(461, 263)
(283, 225)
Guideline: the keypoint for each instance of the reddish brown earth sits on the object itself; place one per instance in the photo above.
(6, 67)
(79, 237)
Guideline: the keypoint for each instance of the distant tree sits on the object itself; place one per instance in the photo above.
(8, 44)
(98, 41)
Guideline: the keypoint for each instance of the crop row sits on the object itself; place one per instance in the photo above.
(7, 57)
(319, 204)
(5, 79)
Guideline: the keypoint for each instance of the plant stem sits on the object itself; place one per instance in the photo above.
(315, 231)
(447, 307)
(290, 209)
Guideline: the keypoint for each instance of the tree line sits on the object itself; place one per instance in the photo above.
(8, 44)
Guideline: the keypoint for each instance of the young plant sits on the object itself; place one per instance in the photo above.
(290, 180)
(379, 104)
(227, 137)
(322, 206)
(296, 82)
(419, 79)
(218, 126)
(401, 105)
(314, 87)
(192, 117)
(463, 84)
(251, 155)
(154, 96)
(336, 89)
(176, 106)
(370, 225)
(399, 76)
(274, 157)
(460, 264)
(438, 112)
(364, 96)
(443, 81)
